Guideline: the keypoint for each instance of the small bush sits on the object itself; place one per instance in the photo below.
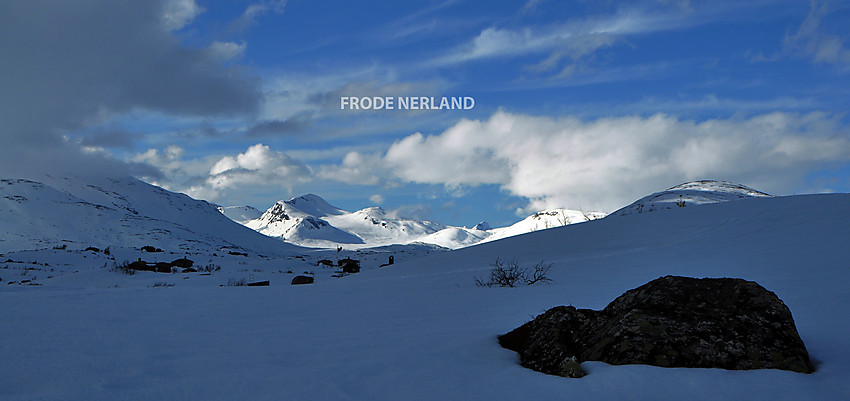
(511, 274)
(210, 268)
(162, 284)
(232, 282)
(123, 268)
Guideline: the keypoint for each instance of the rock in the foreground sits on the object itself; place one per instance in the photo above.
(670, 322)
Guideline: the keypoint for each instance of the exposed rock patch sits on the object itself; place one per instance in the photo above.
(297, 280)
(670, 322)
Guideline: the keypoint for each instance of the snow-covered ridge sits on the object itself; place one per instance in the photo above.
(240, 214)
(309, 220)
(691, 193)
(53, 211)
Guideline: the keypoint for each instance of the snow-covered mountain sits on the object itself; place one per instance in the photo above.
(125, 212)
(691, 193)
(309, 220)
(240, 214)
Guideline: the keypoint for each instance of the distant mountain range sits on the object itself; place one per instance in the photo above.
(309, 220)
(53, 211)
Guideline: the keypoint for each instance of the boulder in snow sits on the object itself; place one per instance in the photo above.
(669, 322)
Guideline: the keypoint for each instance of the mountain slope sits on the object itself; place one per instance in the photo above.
(103, 212)
(545, 219)
(691, 193)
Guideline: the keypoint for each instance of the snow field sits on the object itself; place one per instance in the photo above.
(421, 330)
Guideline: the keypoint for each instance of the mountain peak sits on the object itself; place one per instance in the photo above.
(314, 205)
(483, 226)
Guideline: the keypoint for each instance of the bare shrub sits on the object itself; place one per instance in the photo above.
(232, 282)
(511, 274)
(123, 268)
(211, 267)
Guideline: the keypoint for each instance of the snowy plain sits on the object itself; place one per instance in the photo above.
(421, 329)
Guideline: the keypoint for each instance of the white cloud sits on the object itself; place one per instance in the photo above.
(377, 199)
(573, 39)
(212, 177)
(357, 168)
(179, 13)
(259, 165)
(225, 51)
(608, 162)
(254, 11)
(168, 160)
(812, 41)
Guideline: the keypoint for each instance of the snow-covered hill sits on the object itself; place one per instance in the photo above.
(691, 193)
(309, 220)
(549, 218)
(118, 212)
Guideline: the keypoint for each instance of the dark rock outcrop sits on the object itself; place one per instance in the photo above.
(302, 280)
(670, 322)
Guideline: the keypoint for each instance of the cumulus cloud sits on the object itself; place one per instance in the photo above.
(259, 168)
(608, 162)
(357, 168)
(168, 160)
(377, 199)
(259, 165)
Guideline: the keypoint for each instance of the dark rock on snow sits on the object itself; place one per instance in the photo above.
(302, 280)
(670, 322)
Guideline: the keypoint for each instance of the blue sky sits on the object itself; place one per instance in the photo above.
(579, 104)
